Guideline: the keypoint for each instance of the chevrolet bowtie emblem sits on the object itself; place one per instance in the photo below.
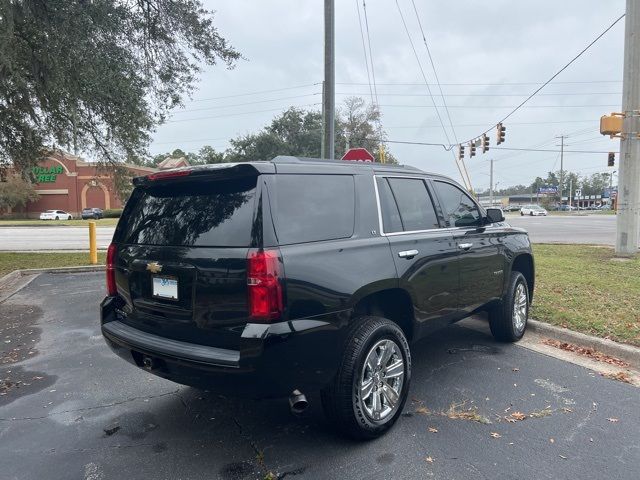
(154, 267)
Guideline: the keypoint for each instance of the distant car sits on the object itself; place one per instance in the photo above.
(95, 213)
(55, 215)
(533, 210)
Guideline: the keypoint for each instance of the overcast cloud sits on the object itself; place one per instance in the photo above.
(497, 42)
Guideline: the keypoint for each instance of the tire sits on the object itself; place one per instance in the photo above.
(521, 214)
(343, 400)
(531, 213)
(506, 319)
(57, 218)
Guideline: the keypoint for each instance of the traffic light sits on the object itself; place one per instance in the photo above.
(460, 152)
(472, 149)
(485, 143)
(612, 159)
(500, 131)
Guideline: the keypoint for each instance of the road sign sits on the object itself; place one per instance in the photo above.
(358, 155)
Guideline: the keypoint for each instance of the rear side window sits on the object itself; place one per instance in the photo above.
(309, 208)
(413, 210)
(458, 208)
(191, 214)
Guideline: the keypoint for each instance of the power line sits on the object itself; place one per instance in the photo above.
(484, 94)
(497, 84)
(247, 103)
(238, 114)
(364, 50)
(373, 72)
(499, 106)
(464, 178)
(557, 73)
(257, 92)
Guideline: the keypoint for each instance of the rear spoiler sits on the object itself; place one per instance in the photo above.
(216, 170)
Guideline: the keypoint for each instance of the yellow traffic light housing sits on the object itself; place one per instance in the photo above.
(611, 124)
(472, 149)
(460, 152)
(500, 133)
(485, 143)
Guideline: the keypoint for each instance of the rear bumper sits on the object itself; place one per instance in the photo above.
(273, 360)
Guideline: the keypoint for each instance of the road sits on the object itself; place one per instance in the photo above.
(592, 229)
(81, 412)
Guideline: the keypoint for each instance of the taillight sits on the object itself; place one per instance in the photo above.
(263, 285)
(111, 270)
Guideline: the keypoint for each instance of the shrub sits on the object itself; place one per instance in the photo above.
(112, 213)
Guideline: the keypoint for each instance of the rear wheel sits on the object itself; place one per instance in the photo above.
(369, 391)
(57, 218)
(531, 213)
(508, 320)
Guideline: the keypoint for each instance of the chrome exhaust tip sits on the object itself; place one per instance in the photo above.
(298, 402)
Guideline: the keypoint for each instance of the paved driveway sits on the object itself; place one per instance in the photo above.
(82, 413)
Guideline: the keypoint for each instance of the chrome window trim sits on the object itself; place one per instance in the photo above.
(393, 234)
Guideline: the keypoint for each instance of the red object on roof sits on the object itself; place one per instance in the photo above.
(358, 155)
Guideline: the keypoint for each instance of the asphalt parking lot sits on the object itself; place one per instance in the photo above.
(72, 410)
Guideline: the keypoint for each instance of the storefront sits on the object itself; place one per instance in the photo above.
(66, 182)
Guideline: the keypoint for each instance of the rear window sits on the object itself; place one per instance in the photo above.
(193, 214)
(309, 208)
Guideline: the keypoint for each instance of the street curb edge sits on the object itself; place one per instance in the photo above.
(628, 353)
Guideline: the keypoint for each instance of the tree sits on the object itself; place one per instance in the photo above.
(99, 74)
(15, 192)
(359, 126)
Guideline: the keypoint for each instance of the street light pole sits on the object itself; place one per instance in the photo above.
(628, 198)
(491, 184)
(329, 95)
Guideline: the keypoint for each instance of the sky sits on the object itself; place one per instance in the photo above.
(488, 56)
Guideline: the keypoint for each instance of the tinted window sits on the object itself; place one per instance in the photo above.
(414, 204)
(458, 208)
(308, 208)
(215, 213)
(390, 216)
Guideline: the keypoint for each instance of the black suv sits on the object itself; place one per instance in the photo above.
(279, 278)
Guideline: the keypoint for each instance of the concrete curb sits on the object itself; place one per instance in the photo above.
(627, 353)
(16, 274)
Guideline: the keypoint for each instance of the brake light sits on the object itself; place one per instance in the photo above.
(111, 270)
(168, 174)
(263, 285)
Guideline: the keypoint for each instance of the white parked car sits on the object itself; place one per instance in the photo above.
(533, 210)
(55, 215)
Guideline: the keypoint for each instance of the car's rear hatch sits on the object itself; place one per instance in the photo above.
(182, 246)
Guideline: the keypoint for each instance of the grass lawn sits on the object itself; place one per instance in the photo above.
(10, 261)
(103, 222)
(585, 288)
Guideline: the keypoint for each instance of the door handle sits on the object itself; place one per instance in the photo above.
(465, 246)
(408, 253)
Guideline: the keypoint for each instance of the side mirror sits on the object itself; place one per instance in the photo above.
(494, 215)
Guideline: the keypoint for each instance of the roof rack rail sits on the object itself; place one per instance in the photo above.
(291, 159)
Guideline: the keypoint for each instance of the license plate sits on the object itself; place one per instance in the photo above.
(165, 287)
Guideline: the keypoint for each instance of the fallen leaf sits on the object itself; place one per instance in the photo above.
(613, 420)
(587, 352)
(433, 430)
(429, 459)
(566, 410)
(518, 416)
(422, 410)
(562, 457)
(495, 435)
(551, 440)
(515, 369)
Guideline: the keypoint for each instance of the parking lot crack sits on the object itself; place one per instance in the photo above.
(94, 407)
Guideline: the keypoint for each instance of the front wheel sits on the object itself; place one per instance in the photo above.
(370, 388)
(508, 320)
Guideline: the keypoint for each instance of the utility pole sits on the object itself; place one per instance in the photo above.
(628, 199)
(561, 167)
(329, 95)
(491, 184)
(570, 192)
